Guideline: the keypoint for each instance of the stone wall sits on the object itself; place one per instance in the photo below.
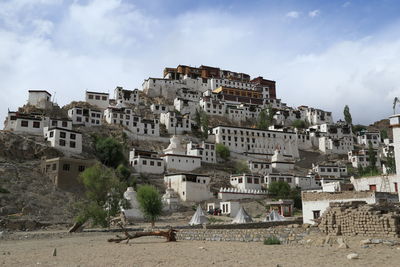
(290, 234)
(357, 218)
(254, 225)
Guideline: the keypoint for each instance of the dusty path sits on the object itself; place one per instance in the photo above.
(93, 250)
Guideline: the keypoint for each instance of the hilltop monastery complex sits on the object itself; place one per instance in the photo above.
(167, 109)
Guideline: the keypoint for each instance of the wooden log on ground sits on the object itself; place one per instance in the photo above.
(170, 235)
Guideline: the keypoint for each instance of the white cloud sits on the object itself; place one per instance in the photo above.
(293, 14)
(314, 13)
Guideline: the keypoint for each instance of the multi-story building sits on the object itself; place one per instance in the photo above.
(24, 123)
(176, 123)
(185, 106)
(213, 107)
(64, 172)
(360, 158)
(341, 145)
(249, 140)
(329, 170)
(190, 187)
(64, 139)
(85, 116)
(125, 97)
(205, 150)
(315, 116)
(146, 161)
(160, 108)
(366, 137)
(242, 112)
(40, 99)
(98, 99)
(61, 123)
(246, 181)
(259, 167)
(280, 177)
(236, 95)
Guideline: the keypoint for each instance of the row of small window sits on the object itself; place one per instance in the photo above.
(36, 124)
(201, 153)
(232, 83)
(236, 132)
(187, 126)
(274, 179)
(93, 121)
(144, 162)
(329, 169)
(249, 180)
(187, 161)
(62, 142)
(65, 167)
(97, 97)
(55, 123)
(64, 135)
(214, 106)
(262, 166)
(157, 107)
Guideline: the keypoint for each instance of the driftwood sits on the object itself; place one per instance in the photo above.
(170, 235)
(77, 227)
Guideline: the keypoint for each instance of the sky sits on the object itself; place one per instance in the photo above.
(324, 54)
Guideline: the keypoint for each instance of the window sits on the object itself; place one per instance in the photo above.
(151, 163)
(66, 167)
(24, 123)
(372, 187)
(144, 162)
(104, 98)
(81, 168)
(72, 144)
(97, 97)
(64, 124)
(54, 167)
(51, 133)
(72, 136)
(90, 96)
(78, 111)
(256, 181)
(159, 164)
(62, 134)
(53, 123)
(316, 214)
(240, 180)
(62, 142)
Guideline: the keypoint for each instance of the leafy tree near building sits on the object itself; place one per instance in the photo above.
(104, 195)
(347, 115)
(150, 202)
(109, 151)
(300, 124)
(265, 118)
(241, 167)
(371, 156)
(202, 122)
(279, 189)
(222, 151)
(390, 162)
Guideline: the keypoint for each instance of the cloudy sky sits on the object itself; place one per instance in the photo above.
(321, 53)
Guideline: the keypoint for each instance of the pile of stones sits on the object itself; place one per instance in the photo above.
(358, 218)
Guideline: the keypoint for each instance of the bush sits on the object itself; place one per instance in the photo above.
(279, 189)
(123, 173)
(150, 202)
(272, 240)
(109, 151)
(300, 124)
(222, 151)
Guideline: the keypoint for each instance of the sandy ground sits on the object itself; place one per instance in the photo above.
(94, 250)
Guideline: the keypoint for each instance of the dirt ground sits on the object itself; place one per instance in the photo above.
(92, 249)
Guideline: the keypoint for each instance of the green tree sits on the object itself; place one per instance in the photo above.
(202, 122)
(241, 167)
(390, 162)
(265, 118)
(384, 134)
(109, 151)
(279, 189)
(371, 156)
(150, 202)
(123, 173)
(222, 151)
(347, 115)
(104, 195)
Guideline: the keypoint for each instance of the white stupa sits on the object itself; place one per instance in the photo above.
(274, 216)
(134, 212)
(170, 200)
(175, 146)
(242, 217)
(199, 217)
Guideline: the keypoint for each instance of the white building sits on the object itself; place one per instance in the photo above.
(340, 146)
(176, 159)
(307, 182)
(176, 123)
(24, 123)
(185, 106)
(213, 107)
(226, 194)
(40, 99)
(365, 137)
(249, 140)
(159, 108)
(64, 139)
(190, 187)
(125, 97)
(246, 181)
(100, 100)
(191, 95)
(136, 124)
(329, 170)
(259, 167)
(383, 183)
(315, 203)
(242, 112)
(205, 150)
(85, 116)
(360, 158)
(144, 161)
(315, 116)
(280, 177)
(279, 163)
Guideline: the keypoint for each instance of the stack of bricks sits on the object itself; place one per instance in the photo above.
(358, 218)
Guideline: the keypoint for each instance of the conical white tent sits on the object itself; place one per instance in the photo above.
(199, 217)
(242, 217)
(274, 216)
